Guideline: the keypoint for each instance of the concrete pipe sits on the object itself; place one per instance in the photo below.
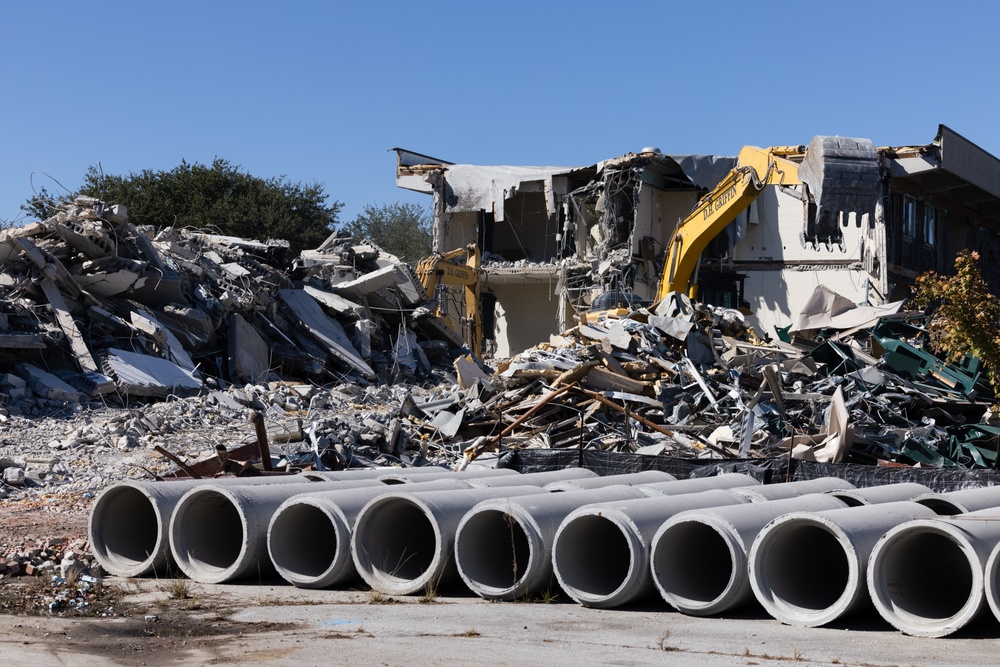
(758, 494)
(128, 521)
(992, 568)
(699, 558)
(404, 476)
(309, 536)
(884, 493)
(644, 477)
(683, 486)
(503, 546)
(373, 473)
(809, 569)
(218, 533)
(403, 542)
(962, 502)
(539, 479)
(601, 552)
(926, 576)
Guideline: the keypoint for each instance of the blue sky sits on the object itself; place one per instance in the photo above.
(318, 91)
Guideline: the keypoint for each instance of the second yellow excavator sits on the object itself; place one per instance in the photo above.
(439, 271)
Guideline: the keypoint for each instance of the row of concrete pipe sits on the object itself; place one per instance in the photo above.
(809, 551)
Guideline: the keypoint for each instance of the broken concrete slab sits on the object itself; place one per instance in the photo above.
(46, 384)
(145, 375)
(325, 330)
(249, 356)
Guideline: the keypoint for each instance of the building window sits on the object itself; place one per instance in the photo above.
(909, 217)
(930, 224)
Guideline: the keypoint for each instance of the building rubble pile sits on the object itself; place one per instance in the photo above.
(852, 384)
(92, 306)
(349, 368)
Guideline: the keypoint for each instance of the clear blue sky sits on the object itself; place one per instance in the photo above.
(317, 91)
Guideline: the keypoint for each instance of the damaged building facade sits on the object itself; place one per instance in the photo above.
(560, 242)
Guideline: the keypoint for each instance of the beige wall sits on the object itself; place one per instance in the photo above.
(526, 316)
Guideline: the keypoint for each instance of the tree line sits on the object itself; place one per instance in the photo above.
(221, 198)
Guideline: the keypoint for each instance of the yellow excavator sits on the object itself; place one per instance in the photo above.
(459, 267)
(840, 174)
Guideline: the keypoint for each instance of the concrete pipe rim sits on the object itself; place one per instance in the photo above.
(615, 528)
(991, 586)
(408, 512)
(132, 552)
(224, 520)
(772, 562)
(311, 570)
(889, 552)
(524, 531)
(714, 530)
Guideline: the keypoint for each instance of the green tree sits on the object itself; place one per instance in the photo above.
(966, 319)
(403, 229)
(220, 198)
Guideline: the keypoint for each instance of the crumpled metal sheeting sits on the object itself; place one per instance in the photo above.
(96, 302)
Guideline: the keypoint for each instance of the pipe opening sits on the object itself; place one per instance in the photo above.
(592, 555)
(940, 506)
(848, 498)
(303, 540)
(926, 574)
(398, 540)
(210, 531)
(805, 566)
(691, 560)
(492, 549)
(126, 529)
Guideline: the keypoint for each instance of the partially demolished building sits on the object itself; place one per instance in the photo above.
(554, 239)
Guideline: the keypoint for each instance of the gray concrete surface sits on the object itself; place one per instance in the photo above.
(282, 625)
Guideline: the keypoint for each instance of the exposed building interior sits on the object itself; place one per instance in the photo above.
(558, 243)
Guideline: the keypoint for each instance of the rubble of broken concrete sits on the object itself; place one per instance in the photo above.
(91, 305)
(184, 333)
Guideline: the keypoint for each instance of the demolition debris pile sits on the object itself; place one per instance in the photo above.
(185, 333)
(91, 305)
(848, 384)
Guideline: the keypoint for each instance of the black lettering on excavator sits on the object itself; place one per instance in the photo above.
(715, 205)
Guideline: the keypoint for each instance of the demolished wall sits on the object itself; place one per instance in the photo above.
(610, 223)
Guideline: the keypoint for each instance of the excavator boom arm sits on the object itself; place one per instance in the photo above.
(755, 169)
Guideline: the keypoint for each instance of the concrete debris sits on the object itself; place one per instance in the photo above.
(91, 305)
(336, 355)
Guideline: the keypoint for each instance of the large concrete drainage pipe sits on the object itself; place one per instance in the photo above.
(219, 533)
(403, 542)
(809, 569)
(644, 477)
(406, 476)
(601, 552)
(758, 494)
(539, 479)
(883, 493)
(309, 537)
(695, 485)
(503, 546)
(699, 557)
(128, 522)
(962, 502)
(926, 576)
